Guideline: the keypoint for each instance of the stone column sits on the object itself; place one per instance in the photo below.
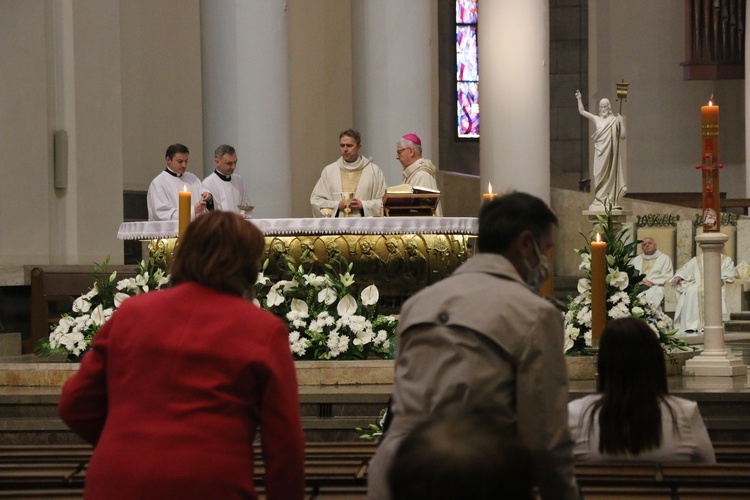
(514, 96)
(393, 78)
(245, 96)
(714, 360)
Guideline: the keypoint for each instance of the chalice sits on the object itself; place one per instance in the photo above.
(347, 197)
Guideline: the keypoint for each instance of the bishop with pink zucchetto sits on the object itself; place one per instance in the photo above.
(418, 171)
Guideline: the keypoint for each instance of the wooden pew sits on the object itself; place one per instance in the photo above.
(339, 470)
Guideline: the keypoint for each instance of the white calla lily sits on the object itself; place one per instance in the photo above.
(370, 295)
(347, 306)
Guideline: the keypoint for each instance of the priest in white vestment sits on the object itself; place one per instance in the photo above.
(351, 173)
(688, 280)
(657, 268)
(225, 186)
(163, 196)
(418, 171)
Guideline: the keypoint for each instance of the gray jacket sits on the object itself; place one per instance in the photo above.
(483, 338)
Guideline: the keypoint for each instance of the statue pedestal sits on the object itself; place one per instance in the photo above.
(714, 361)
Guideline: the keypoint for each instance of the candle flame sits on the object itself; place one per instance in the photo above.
(598, 238)
(184, 188)
(490, 187)
(710, 99)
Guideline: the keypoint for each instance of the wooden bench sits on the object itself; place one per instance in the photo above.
(339, 470)
(53, 290)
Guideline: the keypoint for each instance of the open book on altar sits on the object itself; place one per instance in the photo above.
(407, 201)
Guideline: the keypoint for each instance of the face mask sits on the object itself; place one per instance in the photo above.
(535, 276)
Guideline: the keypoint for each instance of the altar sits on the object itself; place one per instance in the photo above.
(400, 255)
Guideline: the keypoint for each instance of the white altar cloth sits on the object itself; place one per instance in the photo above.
(338, 225)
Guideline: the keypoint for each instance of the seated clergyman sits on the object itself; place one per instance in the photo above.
(688, 280)
(657, 268)
(352, 173)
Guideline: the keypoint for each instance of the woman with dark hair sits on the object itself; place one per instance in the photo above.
(178, 382)
(632, 417)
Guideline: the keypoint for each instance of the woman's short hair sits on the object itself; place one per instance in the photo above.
(220, 250)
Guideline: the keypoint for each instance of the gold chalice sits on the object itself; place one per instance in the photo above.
(327, 212)
(347, 197)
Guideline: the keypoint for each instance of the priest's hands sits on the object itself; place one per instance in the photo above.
(354, 203)
(200, 207)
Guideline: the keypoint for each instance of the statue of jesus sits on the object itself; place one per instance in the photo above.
(609, 167)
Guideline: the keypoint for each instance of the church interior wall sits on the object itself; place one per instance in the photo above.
(320, 90)
(642, 42)
(157, 55)
(25, 163)
(161, 87)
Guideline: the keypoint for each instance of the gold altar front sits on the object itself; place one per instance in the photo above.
(398, 255)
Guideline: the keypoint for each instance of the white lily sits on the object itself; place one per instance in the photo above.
(347, 306)
(370, 295)
(300, 307)
(81, 304)
(327, 296)
(120, 298)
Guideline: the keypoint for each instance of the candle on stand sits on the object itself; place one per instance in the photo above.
(598, 289)
(184, 206)
(490, 195)
(710, 166)
(710, 131)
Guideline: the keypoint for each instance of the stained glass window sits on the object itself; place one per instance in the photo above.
(467, 69)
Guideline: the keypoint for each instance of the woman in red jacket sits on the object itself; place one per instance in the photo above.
(178, 381)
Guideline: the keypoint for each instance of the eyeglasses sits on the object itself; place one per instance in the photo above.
(399, 151)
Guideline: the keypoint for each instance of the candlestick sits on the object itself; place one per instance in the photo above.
(486, 197)
(184, 215)
(598, 289)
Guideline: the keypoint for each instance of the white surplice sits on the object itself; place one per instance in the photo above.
(658, 269)
(163, 195)
(689, 314)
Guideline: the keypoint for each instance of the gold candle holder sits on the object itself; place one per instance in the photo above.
(622, 92)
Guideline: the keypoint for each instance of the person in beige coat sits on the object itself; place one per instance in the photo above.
(484, 338)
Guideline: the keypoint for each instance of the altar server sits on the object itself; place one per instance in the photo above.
(225, 186)
(657, 268)
(179, 383)
(484, 338)
(689, 315)
(163, 193)
(418, 171)
(351, 173)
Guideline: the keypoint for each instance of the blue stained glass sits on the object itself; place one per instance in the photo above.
(468, 109)
(466, 11)
(466, 53)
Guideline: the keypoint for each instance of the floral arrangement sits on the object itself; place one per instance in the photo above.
(75, 331)
(325, 317)
(623, 292)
